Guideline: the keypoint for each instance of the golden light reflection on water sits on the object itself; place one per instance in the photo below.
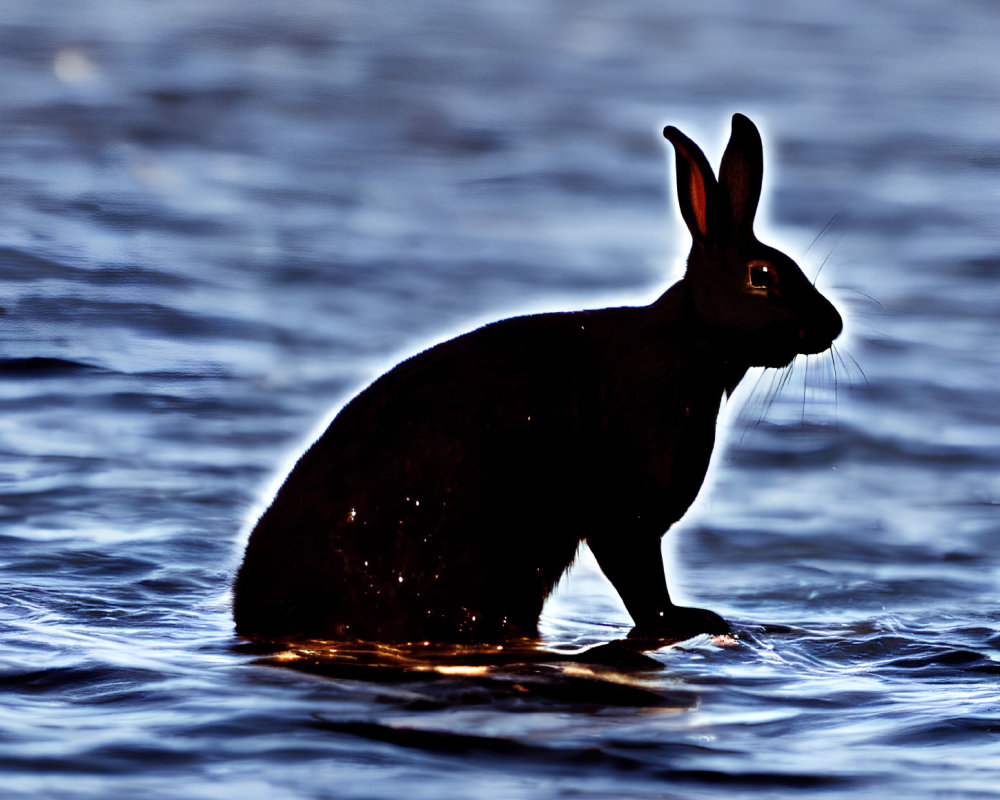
(461, 670)
(517, 671)
(418, 656)
(287, 655)
(599, 663)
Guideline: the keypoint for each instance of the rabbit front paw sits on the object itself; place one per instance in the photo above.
(679, 623)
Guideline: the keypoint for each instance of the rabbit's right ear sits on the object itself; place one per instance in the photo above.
(741, 173)
(697, 189)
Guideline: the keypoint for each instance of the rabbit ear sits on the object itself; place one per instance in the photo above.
(742, 171)
(697, 189)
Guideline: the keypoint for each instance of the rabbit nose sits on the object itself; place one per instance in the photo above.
(834, 321)
(820, 331)
(838, 325)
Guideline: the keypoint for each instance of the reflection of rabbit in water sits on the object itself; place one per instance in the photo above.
(445, 501)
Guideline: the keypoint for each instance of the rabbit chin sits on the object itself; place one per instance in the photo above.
(775, 351)
(778, 347)
(779, 358)
(775, 360)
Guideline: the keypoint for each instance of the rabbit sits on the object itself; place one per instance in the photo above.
(444, 501)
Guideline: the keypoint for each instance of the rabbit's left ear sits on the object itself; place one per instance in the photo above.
(742, 171)
(697, 189)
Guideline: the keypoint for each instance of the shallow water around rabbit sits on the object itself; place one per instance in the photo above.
(219, 220)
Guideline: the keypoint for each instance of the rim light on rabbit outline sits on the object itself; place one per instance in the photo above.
(525, 437)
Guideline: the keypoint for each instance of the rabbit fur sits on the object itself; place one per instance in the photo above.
(444, 502)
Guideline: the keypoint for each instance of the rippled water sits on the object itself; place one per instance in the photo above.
(218, 220)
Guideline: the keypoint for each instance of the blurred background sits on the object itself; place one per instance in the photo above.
(219, 220)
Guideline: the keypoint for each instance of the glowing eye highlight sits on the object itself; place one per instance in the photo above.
(761, 277)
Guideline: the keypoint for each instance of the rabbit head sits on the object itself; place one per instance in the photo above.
(754, 300)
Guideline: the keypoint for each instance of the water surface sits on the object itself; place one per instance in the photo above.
(221, 219)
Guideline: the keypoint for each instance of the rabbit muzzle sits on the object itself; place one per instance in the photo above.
(778, 344)
(820, 330)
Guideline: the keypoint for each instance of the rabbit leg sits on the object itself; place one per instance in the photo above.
(635, 569)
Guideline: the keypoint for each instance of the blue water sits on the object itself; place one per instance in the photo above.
(218, 220)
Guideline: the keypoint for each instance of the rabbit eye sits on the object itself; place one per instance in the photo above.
(761, 277)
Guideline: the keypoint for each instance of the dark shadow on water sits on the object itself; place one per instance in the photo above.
(519, 674)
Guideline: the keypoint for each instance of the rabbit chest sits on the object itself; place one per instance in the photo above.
(657, 449)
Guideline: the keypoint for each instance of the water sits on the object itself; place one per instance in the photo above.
(218, 220)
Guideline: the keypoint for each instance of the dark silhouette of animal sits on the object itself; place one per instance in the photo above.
(445, 500)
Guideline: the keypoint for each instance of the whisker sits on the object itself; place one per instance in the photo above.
(786, 376)
(825, 259)
(821, 232)
(857, 366)
(764, 404)
(847, 367)
(819, 379)
(836, 385)
(745, 420)
(761, 399)
(805, 386)
(866, 296)
(777, 377)
(778, 382)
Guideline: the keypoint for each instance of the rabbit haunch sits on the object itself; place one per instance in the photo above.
(445, 500)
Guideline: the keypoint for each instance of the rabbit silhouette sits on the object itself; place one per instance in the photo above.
(445, 500)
